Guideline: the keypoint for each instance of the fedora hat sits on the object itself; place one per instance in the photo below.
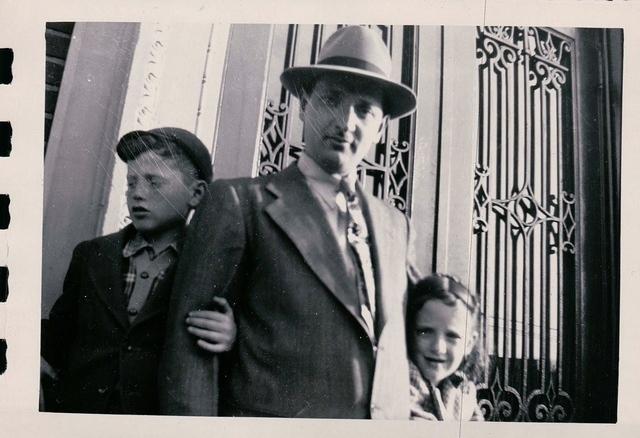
(356, 52)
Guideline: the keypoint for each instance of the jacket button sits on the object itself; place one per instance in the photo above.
(144, 274)
(102, 390)
(132, 311)
(129, 348)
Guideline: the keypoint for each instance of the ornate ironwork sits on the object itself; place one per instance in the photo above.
(524, 222)
(500, 403)
(386, 171)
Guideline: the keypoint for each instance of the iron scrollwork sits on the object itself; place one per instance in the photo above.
(524, 221)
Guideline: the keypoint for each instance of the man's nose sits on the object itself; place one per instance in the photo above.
(347, 117)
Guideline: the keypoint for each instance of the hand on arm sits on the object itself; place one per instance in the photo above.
(215, 329)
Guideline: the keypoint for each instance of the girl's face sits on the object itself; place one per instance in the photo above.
(442, 335)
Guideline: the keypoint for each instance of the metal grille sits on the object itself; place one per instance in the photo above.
(523, 244)
(386, 171)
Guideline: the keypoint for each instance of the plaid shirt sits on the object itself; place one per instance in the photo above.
(453, 399)
(131, 251)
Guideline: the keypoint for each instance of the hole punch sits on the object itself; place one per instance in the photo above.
(4, 284)
(6, 61)
(5, 217)
(3, 356)
(5, 138)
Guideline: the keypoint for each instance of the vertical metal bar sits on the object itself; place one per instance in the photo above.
(560, 258)
(285, 97)
(497, 179)
(546, 269)
(544, 341)
(522, 87)
(386, 160)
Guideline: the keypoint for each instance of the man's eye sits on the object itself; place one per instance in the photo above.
(330, 99)
(365, 110)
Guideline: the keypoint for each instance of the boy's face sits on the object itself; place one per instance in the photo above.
(341, 124)
(442, 335)
(159, 195)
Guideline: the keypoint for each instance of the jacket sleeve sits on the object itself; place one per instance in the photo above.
(209, 265)
(58, 332)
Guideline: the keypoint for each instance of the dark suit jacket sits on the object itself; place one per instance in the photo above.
(302, 348)
(106, 363)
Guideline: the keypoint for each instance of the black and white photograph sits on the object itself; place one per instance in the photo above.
(327, 219)
(405, 222)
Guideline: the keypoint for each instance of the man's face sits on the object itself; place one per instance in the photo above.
(341, 123)
(442, 335)
(158, 194)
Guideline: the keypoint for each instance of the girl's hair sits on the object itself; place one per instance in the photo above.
(449, 290)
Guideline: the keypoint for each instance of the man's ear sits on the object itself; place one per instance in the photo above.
(197, 189)
(303, 105)
(383, 125)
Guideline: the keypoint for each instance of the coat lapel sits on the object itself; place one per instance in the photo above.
(106, 271)
(298, 214)
(381, 235)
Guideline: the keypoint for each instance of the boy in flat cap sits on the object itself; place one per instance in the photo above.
(315, 268)
(105, 333)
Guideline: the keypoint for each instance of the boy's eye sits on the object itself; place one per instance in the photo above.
(453, 336)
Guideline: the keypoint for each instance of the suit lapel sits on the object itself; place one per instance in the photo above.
(106, 270)
(381, 238)
(298, 214)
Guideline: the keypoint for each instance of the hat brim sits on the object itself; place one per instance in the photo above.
(399, 100)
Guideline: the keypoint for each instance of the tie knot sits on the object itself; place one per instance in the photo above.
(345, 188)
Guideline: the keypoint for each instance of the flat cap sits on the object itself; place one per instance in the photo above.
(134, 143)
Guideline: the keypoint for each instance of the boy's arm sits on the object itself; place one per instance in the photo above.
(58, 331)
(208, 266)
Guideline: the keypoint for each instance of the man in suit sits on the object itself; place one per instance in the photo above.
(315, 268)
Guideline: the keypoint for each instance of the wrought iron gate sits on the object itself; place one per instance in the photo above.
(523, 262)
(386, 171)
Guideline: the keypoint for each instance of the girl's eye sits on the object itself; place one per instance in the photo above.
(424, 331)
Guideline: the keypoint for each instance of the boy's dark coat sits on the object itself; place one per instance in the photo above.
(102, 357)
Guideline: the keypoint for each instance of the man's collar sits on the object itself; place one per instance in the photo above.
(312, 170)
(139, 243)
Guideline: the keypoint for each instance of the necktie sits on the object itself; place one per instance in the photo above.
(358, 242)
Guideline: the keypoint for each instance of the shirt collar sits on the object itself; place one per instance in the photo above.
(325, 185)
(139, 243)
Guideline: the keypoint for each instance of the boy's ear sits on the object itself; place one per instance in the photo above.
(197, 188)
